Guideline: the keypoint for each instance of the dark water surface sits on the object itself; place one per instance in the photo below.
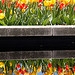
(38, 43)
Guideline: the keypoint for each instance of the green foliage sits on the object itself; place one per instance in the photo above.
(35, 15)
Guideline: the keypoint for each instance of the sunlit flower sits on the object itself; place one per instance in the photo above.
(61, 5)
(74, 69)
(2, 65)
(31, 1)
(0, 11)
(2, 15)
(65, 1)
(3, 1)
(49, 65)
(40, 0)
(21, 5)
(24, 1)
(17, 4)
(72, 1)
(67, 67)
(49, 3)
(59, 70)
(13, 0)
(10, 12)
(10, 63)
(53, 1)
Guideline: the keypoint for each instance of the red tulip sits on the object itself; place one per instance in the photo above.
(49, 65)
(74, 69)
(19, 70)
(25, 71)
(3, 1)
(18, 66)
(22, 72)
(67, 67)
(21, 6)
(0, 11)
(59, 69)
(17, 4)
(40, 0)
(61, 5)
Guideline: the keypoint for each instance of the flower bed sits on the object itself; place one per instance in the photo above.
(37, 12)
(38, 67)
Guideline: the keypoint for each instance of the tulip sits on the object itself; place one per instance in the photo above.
(47, 3)
(59, 70)
(2, 15)
(24, 1)
(10, 12)
(49, 65)
(40, 0)
(72, 2)
(0, 11)
(3, 2)
(67, 67)
(61, 5)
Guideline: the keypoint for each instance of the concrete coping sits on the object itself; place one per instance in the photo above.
(20, 55)
(56, 30)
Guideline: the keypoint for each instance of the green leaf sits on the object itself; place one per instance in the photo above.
(46, 21)
(13, 19)
(54, 20)
(66, 19)
(2, 23)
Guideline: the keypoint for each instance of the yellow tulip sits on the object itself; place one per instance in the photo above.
(50, 70)
(72, 2)
(54, 69)
(65, 1)
(24, 1)
(10, 63)
(31, 1)
(36, 0)
(10, 12)
(33, 73)
(1, 63)
(61, 0)
(35, 69)
(53, 1)
(47, 3)
(2, 15)
(13, 0)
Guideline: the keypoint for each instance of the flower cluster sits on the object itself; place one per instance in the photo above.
(38, 67)
(37, 12)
